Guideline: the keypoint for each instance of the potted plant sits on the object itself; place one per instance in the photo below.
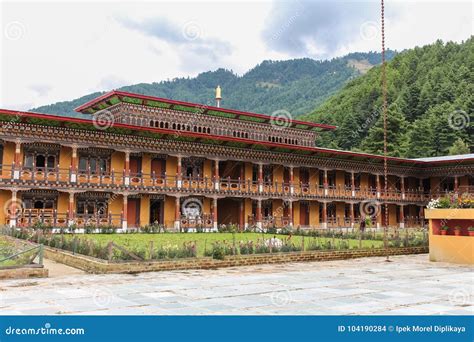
(444, 230)
(457, 231)
(470, 230)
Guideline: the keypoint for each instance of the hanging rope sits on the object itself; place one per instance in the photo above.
(384, 110)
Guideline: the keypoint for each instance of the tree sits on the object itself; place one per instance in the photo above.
(459, 147)
(396, 136)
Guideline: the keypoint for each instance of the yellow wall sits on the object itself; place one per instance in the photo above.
(248, 172)
(4, 197)
(118, 162)
(116, 207)
(171, 165)
(392, 215)
(340, 212)
(146, 164)
(169, 208)
(63, 203)
(8, 153)
(278, 173)
(277, 206)
(313, 214)
(313, 176)
(206, 206)
(207, 169)
(340, 178)
(144, 210)
(247, 209)
(65, 156)
(296, 214)
(296, 177)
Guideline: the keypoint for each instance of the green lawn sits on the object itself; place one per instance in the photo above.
(205, 240)
(8, 248)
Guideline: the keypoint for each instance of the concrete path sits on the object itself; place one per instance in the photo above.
(60, 270)
(409, 285)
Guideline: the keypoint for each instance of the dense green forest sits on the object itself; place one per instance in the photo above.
(430, 97)
(297, 86)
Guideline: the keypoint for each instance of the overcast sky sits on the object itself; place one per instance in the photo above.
(61, 50)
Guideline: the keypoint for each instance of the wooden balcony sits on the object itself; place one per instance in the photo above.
(116, 181)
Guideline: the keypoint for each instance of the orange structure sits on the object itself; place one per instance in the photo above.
(131, 160)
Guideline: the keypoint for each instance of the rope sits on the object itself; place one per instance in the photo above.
(384, 110)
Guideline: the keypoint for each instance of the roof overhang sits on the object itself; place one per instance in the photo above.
(114, 97)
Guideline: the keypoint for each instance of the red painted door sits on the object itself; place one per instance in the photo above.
(158, 167)
(304, 214)
(133, 212)
(135, 165)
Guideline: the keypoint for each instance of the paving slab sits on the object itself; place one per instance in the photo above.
(408, 285)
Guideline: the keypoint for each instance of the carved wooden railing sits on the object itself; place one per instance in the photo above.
(57, 177)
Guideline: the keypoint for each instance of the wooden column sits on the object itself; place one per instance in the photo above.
(216, 174)
(325, 215)
(242, 214)
(73, 167)
(402, 217)
(456, 184)
(13, 209)
(326, 184)
(214, 212)
(380, 214)
(126, 169)
(71, 210)
(125, 212)
(290, 212)
(259, 213)
(402, 186)
(17, 160)
(351, 206)
(179, 174)
(260, 177)
(353, 187)
(177, 214)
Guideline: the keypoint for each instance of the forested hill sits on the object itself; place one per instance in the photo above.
(430, 97)
(297, 86)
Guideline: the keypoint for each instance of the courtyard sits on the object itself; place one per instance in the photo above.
(407, 285)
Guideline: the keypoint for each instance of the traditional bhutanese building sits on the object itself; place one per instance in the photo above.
(134, 160)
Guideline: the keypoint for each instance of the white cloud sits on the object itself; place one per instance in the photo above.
(56, 51)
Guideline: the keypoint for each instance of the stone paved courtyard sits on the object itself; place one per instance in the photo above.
(408, 285)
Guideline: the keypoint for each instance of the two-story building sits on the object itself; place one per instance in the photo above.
(132, 160)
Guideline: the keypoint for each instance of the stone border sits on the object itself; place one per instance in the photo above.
(23, 273)
(94, 265)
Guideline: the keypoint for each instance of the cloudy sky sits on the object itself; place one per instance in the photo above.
(60, 50)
